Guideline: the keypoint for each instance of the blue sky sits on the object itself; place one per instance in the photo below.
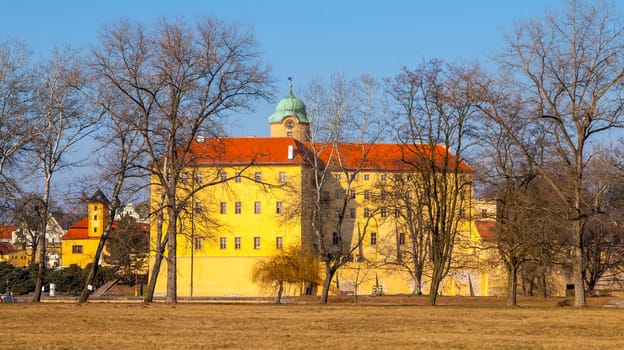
(303, 39)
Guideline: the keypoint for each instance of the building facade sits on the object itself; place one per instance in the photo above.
(259, 202)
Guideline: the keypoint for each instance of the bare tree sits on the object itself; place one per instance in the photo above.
(569, 67)
(346, 124)
(435, 104)
(121, 158)
(60, 121)
(182, 81)
(15, 94)
(603, 235)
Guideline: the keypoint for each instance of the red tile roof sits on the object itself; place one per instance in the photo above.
(79, 230)
(243, 150)
(392, 157)
(274, 150)
(6, 231)
(486, 229)
(6, 248)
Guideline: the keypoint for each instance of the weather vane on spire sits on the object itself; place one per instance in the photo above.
(290, 84)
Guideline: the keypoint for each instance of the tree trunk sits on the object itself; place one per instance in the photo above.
(158, 258)
(42, 260)
(172, 275)
(279, 292)
(94, 269)
(329, 275)
(512, 286)
(436, 279)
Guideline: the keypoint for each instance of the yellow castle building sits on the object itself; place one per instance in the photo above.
(260, 208)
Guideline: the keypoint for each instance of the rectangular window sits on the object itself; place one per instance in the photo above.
(351, 194)
(198, 178)
(397, 212)
(402, 238)
(95, 230)
(384, 177)
(289, 134)
(409, 194)
(198, 207)
(237, 208)
(484, 213)
(383, 194)
(366, 212)
(383, 212)
(223, 176)
(238, 178)
(279, 243)
(222, 243)
(256, 242)
(282, 176)
(373, 238)
(335, 238)
(337, 177)
(95, 217)
(352, 213)
(325, 195)
(198, 243)
(366, 177)
(223, 208)
(184, 178)
(366, 194)
(338, 193)
(279, 207)
(326, 212)
(256, 207)
(77, 249)
(337, 212)
(258, 176)
(237, 243)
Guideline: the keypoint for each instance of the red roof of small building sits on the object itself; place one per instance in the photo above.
(6, 231)
(486, 229)
(79, 230)
(6, 248)
(275, 150)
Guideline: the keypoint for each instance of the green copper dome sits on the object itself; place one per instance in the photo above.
(289, 105)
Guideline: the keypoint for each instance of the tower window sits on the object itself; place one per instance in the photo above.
(289, 134)
(279, 242)
(256, 242)
(373, 238)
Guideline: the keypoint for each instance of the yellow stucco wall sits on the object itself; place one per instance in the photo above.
(227, 272)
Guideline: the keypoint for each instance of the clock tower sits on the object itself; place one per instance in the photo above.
(290, 119)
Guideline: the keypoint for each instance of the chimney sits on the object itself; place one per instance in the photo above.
(291, 152)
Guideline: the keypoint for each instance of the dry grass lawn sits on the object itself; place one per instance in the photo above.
(391, 323)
